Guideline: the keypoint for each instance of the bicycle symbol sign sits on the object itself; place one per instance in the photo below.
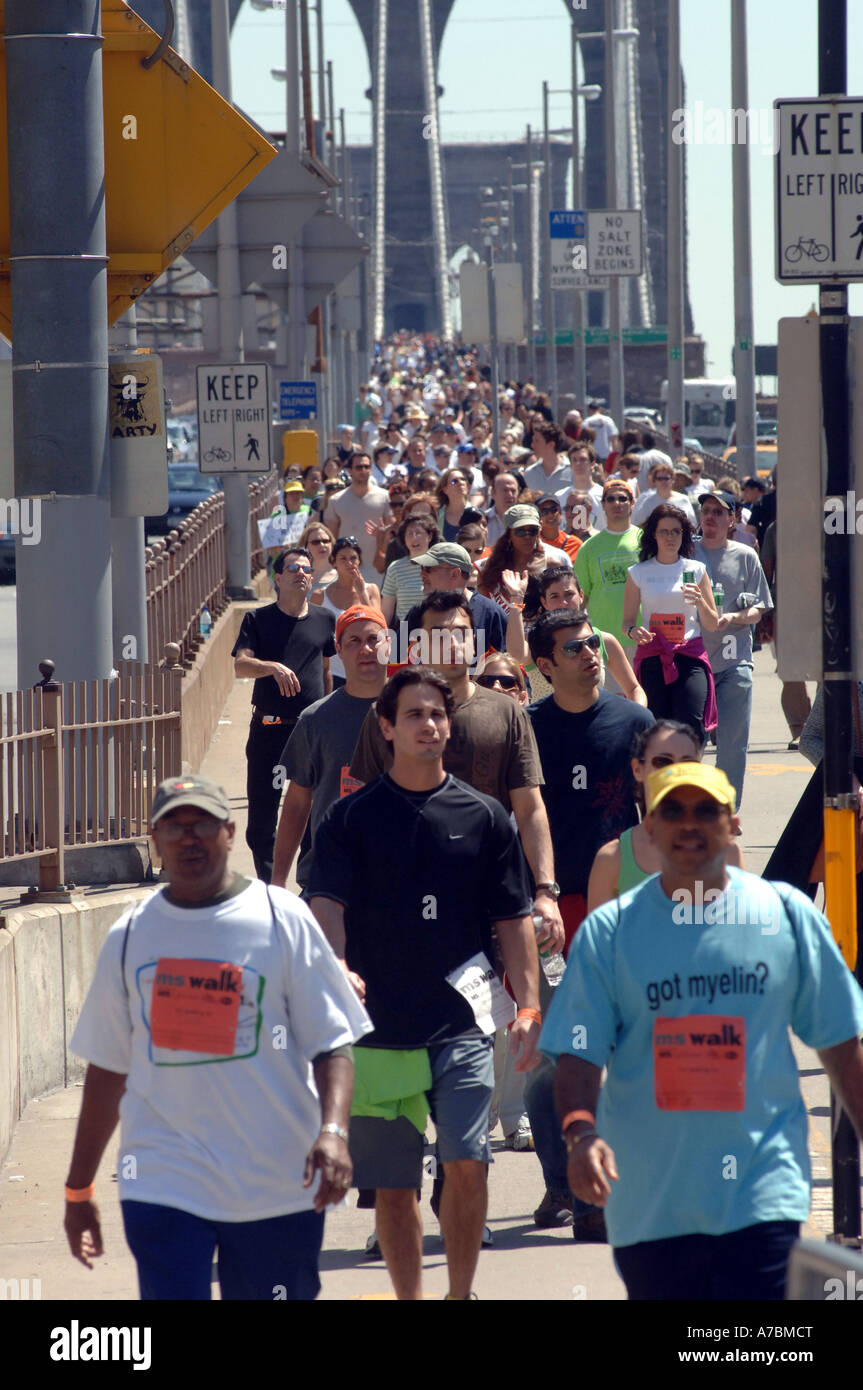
(806, 246)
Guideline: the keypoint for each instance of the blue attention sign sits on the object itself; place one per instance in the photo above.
(566, 224)
(298, 400)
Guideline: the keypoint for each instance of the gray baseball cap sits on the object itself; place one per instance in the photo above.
(189, 791)
(446, 553)
(522, 514)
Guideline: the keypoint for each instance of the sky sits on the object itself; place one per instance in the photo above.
(494, 58)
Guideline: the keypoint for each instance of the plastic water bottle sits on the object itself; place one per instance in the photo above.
(718, 597)
(553, 966)
(206, 623)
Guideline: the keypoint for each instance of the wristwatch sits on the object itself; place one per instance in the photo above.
(335, 1129)
(551, 888)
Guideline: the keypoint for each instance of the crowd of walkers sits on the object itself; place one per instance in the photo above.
(481, 702)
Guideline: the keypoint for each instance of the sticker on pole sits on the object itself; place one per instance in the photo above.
(819, 190)
(234, 418)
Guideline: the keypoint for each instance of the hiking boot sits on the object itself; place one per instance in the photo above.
(588, 1227)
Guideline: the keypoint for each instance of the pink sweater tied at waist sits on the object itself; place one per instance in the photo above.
(667, 651)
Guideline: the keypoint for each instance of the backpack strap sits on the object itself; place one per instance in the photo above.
(136, 912)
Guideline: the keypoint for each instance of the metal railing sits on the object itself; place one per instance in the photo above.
(263, 496)
(79, 762)
(183, 573)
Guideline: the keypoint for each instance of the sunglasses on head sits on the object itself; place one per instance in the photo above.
(576, 646)
(505, 682)
(705, 812)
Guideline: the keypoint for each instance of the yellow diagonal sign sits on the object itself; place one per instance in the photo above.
(176, 154)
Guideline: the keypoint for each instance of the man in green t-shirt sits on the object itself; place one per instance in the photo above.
(603, 560)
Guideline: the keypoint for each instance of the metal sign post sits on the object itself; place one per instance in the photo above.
(819, 165)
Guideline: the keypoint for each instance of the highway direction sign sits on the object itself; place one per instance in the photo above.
(819, 189)
(234, 418)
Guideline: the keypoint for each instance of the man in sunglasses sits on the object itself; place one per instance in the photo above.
(685, 989)
(285, 648)
(585, 738)
(213, 968)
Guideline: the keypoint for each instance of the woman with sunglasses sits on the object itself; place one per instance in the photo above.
(520, 550)
(319, 540)
(452, 495)
(557, 587)
(660, 479)
(676, 601)
(624, 863)
(403, 582)
(500, 671)
(348, 588)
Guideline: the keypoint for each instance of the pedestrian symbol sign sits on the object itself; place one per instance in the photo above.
(819, 189)
(234, 418)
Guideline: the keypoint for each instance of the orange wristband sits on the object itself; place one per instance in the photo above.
(533, 1014)
(80, 1194)
(574, 1115)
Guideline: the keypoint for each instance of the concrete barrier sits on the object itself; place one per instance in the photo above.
(48, 957)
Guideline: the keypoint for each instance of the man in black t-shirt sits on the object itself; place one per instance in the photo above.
(585, 738)
(286, 647)
(402, 930)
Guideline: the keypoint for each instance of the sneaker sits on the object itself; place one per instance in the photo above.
(555, 1209)
(487, 1238)
(588, 1228)
(373, 1249)
(451, 1298)
(793, 745)
(521, 1138)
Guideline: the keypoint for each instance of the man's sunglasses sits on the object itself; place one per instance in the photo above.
(294, 568)
(575, 647)
(505, 682)
(705, 812)
(549, 509)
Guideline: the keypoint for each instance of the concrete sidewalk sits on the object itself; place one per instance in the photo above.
(525, 1263)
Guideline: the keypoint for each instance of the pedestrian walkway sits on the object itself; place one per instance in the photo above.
(525, 1263)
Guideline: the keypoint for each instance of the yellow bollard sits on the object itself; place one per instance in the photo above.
(840, 879)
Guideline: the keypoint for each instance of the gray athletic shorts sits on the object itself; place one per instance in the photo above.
(389, 1153)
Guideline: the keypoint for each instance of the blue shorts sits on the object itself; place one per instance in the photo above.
(389, 1153)
(270, 1260)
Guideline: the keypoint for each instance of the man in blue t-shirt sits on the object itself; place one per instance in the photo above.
(685, 988)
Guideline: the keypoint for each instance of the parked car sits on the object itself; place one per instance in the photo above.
(187, 488)
(765, 458)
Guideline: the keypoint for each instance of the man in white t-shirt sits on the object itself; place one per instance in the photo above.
(214, 1003)
(604, 430)
(348, 512)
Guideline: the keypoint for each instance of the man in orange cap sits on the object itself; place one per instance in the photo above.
(685, 988)
(316, 759)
